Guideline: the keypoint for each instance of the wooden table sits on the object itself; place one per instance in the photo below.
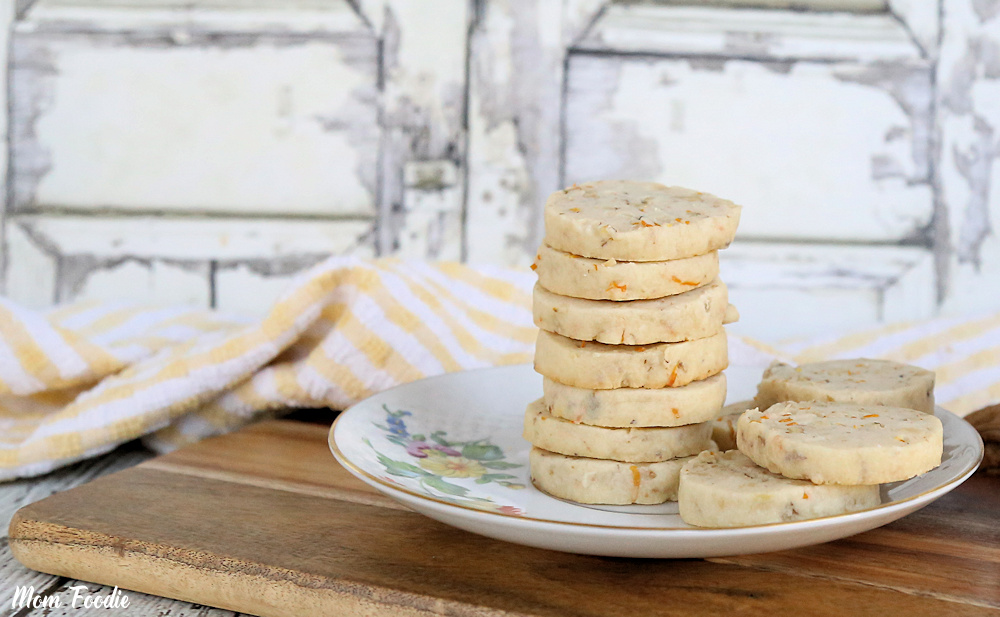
(942, 560)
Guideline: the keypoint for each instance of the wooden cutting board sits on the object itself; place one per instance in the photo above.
(264, 521)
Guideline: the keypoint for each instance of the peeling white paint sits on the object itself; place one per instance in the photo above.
(152, 282)
(795, 147)
(269, 128)
(424, 58)
(968, 174)
(241, 289)
(195, 238)
(832, 288)
(745, 32)
(31, 270)
(514, 124)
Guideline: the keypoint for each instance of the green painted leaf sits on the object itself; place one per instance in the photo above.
(448, 488)
(417, 437)
(513, 485)
(493, 477)
(399, 468)
(483, 452)
(501, 465)
(438, 438)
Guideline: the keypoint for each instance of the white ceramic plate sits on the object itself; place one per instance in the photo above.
(450, 447)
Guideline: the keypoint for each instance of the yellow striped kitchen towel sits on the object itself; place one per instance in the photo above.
(79, 380)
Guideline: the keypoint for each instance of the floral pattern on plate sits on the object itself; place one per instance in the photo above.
(438, 458)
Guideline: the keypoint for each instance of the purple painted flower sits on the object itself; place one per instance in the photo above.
(419, 449)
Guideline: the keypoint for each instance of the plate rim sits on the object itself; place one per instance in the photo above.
(378, 483)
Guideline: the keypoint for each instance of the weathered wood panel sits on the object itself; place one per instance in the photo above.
(791, 290)
(515, 82)
(187, 118)
(518, 50)
(231, 263)
(6, 19)
(30, 270)
(749, 33)
(968, 81)
(201, 238)
(152, 281)
(820, 150)
(437, 131)
(424, 59)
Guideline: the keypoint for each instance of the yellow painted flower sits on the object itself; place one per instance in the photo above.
(451, 466)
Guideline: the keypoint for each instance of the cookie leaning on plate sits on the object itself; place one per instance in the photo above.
(861, 380)
(638, 221)
(606, 279)
(841, 443)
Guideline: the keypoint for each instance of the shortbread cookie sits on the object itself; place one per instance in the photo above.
(862, 381)
(644, 445)
(841, 443)
(638, 221)
(699, 401)
(698, 313)
(602, 367)
(724, 427)
(603, 279)
(591, 480)
(728, 490)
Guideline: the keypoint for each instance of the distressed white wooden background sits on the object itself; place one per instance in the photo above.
(202, 151)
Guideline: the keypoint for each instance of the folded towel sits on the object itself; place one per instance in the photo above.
(81, 379)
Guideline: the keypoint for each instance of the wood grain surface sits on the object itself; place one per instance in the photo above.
(265, 522)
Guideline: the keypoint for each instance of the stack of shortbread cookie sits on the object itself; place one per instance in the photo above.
(631, 346)
(820, 441)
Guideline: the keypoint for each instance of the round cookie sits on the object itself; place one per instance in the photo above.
(638, 221)
(728, 490)
(695, 314)
(862, 381)
(603, 367)
(643, 445)
(603, 279)
(699, 401)
(841, 443)
(724, 427)
(591, 480)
